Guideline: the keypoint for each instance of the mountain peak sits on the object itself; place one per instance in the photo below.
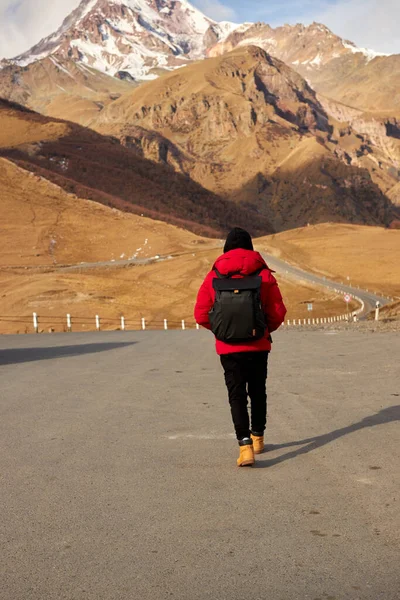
(132, 37)
(141, 39)
(306, 48)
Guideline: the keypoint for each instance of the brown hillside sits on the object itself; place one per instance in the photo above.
(248, 127)
(100, 168)
(61, 88)
(42, 225)
(355, 86)
(332, 65)
(367, 140)
(43, 228)
(390, 312)
(369, 256)
(367, 85)
(165, 290)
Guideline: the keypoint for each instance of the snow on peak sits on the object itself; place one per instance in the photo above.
(85, 8)
(137, 38)
(226, 28)
(316, 61)
(198, 20)
(369, 54)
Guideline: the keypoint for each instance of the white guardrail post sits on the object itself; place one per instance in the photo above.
(353, 316)
(377, 309)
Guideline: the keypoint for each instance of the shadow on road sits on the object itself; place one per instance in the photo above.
(387, 415)
(23, 355)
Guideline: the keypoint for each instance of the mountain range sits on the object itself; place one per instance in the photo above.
(137, 40)
(249, 128)
(293, 124)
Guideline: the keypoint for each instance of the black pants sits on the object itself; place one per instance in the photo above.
(246, 375)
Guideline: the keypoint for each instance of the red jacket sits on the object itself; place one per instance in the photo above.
(244, 262)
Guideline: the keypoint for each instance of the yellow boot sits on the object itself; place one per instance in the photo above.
(246, 458)
(258, 443)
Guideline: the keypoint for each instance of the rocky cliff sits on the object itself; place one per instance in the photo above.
(249, 128)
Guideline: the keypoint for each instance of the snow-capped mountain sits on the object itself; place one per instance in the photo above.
(137, 40)
(131, 38)
(334, 67)
(306, 48)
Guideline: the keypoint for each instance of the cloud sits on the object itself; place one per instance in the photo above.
(25, 22)
(216, 10)
(369, 23)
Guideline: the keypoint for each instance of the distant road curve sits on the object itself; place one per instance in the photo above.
(287, 270)
(280, 266)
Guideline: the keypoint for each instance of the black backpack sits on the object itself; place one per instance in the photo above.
(237, 315)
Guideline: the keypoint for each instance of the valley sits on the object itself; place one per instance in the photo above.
(146, 129)
(45, 228)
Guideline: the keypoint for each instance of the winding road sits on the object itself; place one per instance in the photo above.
(280, 266)
(287, 270)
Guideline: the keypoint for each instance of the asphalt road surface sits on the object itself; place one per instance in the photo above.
(287, 270)
(118, 476)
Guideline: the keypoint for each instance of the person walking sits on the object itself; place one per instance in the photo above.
(240, 302)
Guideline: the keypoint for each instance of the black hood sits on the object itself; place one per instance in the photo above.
(238, 238)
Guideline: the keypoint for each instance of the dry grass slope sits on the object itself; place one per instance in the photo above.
(100, 168)
(61, 88)
(43, 228)
(369, 256)
(42, 225)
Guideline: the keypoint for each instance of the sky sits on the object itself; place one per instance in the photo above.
(368, 23)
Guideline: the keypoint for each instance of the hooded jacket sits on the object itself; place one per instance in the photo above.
(244, 262)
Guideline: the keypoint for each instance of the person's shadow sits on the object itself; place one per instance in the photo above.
(387, 415)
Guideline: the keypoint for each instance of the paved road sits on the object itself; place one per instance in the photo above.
(277, 264)
(118, 477)
(93, 265)
(281, 267)
(285, 269)
(113, 263)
